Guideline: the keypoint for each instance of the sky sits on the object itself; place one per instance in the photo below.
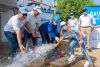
(49, 2)
(97, 2)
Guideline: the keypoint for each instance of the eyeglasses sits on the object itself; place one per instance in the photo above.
(24, 14)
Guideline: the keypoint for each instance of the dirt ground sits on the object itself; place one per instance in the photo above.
(95, 55)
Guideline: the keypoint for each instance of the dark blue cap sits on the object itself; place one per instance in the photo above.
(71, 14)
(84, 9)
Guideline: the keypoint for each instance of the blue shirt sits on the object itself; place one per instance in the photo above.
(51, 29)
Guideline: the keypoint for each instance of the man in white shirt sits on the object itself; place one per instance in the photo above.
(13, 31)
(85, 21)
(33, 19)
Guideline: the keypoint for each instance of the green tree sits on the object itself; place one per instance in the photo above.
(68, 6)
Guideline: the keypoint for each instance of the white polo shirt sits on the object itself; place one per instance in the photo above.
(14, 24)
(86, 20)
(73, 23)
(33, 20)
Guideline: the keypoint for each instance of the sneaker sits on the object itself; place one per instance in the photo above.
(71, 58)
(86, 64)
(9, 58)
(69, 53)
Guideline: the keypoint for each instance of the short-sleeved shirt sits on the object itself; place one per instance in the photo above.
(86, 20)
(33, 20)
(64, 28)
(73, 23)
(14, 24)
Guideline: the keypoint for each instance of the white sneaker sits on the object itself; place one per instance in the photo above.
(69, 53)
(71, 58)
(9, 58)
(86, 64)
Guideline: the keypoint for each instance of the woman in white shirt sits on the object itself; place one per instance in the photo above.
(73, 23)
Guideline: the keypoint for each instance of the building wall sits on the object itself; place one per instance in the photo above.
(4, 19)
(0, 27)
(6, 11)
(9, 2)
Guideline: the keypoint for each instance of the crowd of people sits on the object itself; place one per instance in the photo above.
(25, 25)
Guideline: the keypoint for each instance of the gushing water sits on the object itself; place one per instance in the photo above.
(21, 60)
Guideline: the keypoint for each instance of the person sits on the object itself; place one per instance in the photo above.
(33, 19)
(13, 31)
(50, 30)
(66, 31)
(73, 27)
(73, 23)
(85, 21)
(76, 39)
(63, 28)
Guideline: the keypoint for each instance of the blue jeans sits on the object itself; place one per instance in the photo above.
(13, 44)
(74, 42)
(26, 36)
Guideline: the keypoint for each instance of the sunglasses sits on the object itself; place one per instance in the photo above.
(24, 14)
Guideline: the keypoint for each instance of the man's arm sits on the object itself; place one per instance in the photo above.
(94, 22)
(27, 25)
(36, 29)
(18, 31)
(19, 39)
(69, 27)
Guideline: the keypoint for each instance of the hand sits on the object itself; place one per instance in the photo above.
(57, 45)
(80, 42)
(21, 47)
(57, 39)
(61, 38)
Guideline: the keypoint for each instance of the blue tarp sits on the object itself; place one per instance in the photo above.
(95, 11)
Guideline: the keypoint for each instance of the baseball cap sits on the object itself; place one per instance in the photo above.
(84, 9)
(37, 8)
(62, 23)
(57, 19)
(23, 10)
(71, 14)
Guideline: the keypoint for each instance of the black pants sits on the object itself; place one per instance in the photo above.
(45, 37)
